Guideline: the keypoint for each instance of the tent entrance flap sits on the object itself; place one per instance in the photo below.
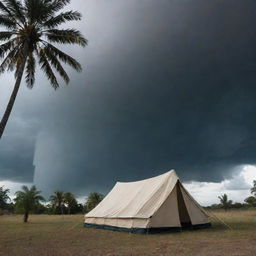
(185, 220)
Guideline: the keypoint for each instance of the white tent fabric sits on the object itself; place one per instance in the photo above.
(159, 202)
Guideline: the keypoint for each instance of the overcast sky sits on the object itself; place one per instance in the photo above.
(166, 84)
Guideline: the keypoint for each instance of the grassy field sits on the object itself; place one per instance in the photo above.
(65, 236)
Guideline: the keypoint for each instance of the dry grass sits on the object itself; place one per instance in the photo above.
(65, 236)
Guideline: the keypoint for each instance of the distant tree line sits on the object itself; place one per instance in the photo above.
(226, 204)
(30, 201)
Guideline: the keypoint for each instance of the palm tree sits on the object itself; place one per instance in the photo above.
(93, 200)
(253, 189)
(225, 203)
(57, 200)
(4, 197)
(31, 26)
(27, 199)
(70, 201)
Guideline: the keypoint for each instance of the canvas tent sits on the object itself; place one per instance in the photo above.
(147, 206)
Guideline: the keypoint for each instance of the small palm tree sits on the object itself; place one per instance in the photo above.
(4, 197)
(57, 201)
(31, 26)
(253, 189)
(225, 203)
(27, 199)
(93, 200)
(70, 201)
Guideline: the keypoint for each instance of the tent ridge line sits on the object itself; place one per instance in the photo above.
(153, 192)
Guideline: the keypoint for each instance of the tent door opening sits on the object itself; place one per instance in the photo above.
(185, 220)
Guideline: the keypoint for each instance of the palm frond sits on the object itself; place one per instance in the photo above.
(25, 188)
(66, 36)
(64, 57)
(19, 194)
(5, 35)
(4, 9)
(9, 61)
(61, 18)
(46, 67)
(16, 8)
(38, 11)
(8, 46)
(7, 22)
(55, 62)
(32, 9)
(33, 189)
(57, 5)
(30, 72)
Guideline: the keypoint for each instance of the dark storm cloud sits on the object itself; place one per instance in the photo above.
(17, 166)
(167, 84)
(17, 154)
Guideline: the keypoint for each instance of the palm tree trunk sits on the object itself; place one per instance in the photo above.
(13, 95)
(25, 217)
